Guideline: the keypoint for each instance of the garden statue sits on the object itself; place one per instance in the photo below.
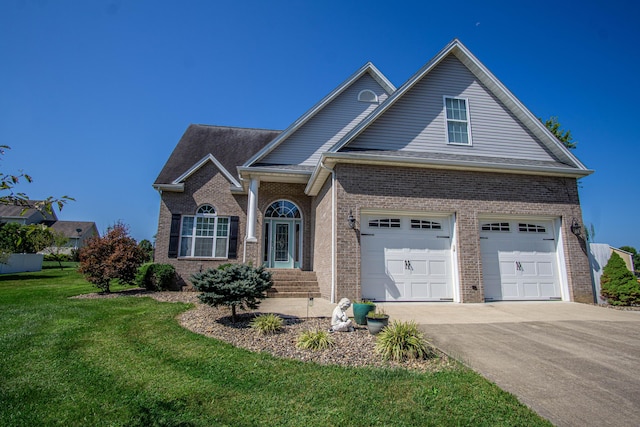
(340, 322)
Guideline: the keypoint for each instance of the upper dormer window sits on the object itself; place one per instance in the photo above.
(457, 117)
(367, 95)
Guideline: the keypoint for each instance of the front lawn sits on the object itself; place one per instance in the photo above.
(126, 361)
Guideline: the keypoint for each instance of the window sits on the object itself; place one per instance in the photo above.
(457, 116)
(367, 95)
(531, 228)
(426, 225)
(496, 226)
(385, 223)
(204, 235)
(282, 209)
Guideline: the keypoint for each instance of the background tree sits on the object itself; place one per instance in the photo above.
(234, 286)
(563, 136)
(636, 257)
(618, 285)
(115, 256)
(9, 197)
(59, 247)
(147, 247)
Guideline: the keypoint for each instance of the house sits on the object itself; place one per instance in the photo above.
(444, 189)
(25, 215)
(78, 232)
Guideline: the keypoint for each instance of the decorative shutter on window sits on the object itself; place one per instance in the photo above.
(233, 237)
(174, 236)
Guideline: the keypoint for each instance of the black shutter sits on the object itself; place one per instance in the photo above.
(174, 236)
(233, 237)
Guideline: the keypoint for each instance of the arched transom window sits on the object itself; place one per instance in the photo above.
(282, 209)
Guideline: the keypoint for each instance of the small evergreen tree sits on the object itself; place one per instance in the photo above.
(233, 285)
(618, 285)
(114, 256)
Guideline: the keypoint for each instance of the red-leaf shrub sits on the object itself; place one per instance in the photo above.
(116, 255)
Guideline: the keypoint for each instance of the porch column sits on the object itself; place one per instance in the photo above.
(252, 208)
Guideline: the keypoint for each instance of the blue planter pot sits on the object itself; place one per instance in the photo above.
(360, 312)
(377, 324)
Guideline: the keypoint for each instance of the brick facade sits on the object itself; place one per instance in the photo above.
(206, 186)
(467, 195)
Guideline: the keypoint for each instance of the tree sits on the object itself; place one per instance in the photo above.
(636, 257)
(147, 247)
(618, 285)
(9, 197)
(563, 136)
(24, 239)
(233, 285)
(115, 256)
(58, 248)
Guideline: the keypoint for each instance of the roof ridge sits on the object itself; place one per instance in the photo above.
(234, 127)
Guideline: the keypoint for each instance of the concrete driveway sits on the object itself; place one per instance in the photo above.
(574, 364)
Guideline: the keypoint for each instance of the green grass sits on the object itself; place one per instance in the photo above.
(127, 362)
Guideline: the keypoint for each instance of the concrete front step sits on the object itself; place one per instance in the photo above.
(293, 283)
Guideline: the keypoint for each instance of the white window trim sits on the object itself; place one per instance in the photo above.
(193, 236)
(375, 97)
(446, 120)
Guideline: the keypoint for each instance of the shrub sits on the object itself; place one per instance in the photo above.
(267, 323)
(233, 285)
(401, 341)
(315, 339)
(618, 285)
(113, 256)
(155, 277)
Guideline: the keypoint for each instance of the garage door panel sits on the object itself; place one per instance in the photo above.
(440, 290)
(510, 289)
(438, 268)
(420, 290)
(395, 267)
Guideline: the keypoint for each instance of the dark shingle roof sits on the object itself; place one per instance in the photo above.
(15, 210)
(230, 146)
(68, 228)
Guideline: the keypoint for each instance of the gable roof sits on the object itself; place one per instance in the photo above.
(569, 165)
(69, 228)
(226, 147)
(368, 68)
(500, 91)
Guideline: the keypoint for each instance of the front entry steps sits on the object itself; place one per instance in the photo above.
(293, 283)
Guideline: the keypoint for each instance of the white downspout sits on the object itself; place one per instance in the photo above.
(333, 232)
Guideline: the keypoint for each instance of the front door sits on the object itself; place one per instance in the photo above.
(282, 244)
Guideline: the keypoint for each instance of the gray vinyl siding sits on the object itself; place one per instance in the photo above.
(416, 122)
(327, 127)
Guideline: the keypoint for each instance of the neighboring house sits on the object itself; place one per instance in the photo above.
(444, 189)
(30, 215)
(599, 254)
(78, 232)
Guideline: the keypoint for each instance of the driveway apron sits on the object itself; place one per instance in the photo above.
(583, 371)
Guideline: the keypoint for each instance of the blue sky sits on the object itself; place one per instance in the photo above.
(94, 95)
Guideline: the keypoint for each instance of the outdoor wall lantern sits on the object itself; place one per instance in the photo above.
(576, 227)
(351, 220)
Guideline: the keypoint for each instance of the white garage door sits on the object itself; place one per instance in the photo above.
(406, 258)
(519, 260)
